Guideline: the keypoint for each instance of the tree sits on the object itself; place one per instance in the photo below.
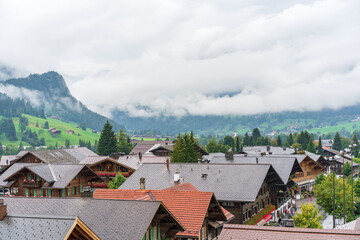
(46, 125)
(311, 147)
(237, 144)
(185, 149)
(228, 140)
(324, 196)
(319, 178)
(290, 139)
(83, 126)
(247, 141)
(213, 146)
(67, 143)
(124, 145)
(256, 136)
(116, 182)
(337, 142)
(354, 139)
(107, 141)
(320, 150)
(347, 169)
(308, 218)
(279, 142)
(23, 123)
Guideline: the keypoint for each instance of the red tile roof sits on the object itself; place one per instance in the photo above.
(245, 232)
(188, 207)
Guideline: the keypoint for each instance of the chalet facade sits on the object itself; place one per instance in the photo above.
(107, 168)
(47, 180)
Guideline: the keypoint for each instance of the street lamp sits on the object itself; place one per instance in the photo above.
(342, 155)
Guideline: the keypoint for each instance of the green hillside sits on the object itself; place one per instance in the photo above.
(86, 135)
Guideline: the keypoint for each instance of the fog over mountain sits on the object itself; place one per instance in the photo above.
(178, 58)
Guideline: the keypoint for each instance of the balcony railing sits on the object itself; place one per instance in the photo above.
(99, 185)
(260, 215)
(106, 174)
(31, 184)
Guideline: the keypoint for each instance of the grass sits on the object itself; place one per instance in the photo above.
(86, 135)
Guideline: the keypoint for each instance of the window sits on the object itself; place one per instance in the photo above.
(41, 192)
(228, 204)
(49, 192)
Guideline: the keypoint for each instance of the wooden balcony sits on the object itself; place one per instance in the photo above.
(32, 184)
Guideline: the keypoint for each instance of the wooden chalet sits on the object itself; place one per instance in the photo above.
(107, 168)
(48, 180)
(166, 149)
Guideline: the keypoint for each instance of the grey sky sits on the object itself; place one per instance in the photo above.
(197, 57)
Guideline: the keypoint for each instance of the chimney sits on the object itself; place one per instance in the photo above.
(3, 209)
(257, 161)
(140, 156)
(229, 155)
(142, 183)
(177, 176)
(167, 164)
(268, 148)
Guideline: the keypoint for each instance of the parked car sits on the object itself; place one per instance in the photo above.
(7, 192)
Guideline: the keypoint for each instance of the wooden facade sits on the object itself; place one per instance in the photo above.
(27, 183)
(310, 170)
(109, 168)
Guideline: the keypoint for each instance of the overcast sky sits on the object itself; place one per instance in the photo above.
(178, 57)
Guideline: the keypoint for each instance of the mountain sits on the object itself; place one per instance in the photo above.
(49, 92)
(315, 121)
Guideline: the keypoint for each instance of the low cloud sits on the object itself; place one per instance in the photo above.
(191, 57)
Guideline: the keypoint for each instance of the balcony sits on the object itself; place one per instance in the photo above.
(31, 184)
(106, 174)
(260, 215)
(99, 185)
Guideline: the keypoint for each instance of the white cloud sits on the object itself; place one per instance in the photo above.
(191, 57)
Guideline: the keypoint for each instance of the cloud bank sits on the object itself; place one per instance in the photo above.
(213, 57)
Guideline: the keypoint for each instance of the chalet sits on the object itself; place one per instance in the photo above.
(242, 189)
(69, 131)
(134, 161)
(107, 168)
(166, 149)
(240, 232)
(47, 180)
(286, 167)
(337, 163)
(108, 219)
(23, 226)
(144, 146)
(199, 212)
(6, 160)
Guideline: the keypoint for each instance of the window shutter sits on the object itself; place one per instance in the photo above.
(73, 190)
(80, 188)
(29, 176)
(41, 192)
(34, 192)
(49, 192)
(27, 192)
(68, 191)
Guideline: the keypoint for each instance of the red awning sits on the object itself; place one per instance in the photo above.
(267, 217)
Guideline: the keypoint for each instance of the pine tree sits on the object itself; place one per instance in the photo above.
(320, 150)
(185, 149)
(279, 142)
(337, 142)
(290, 139)
(354, 139)
(247, 141)
(237, 146)
(107, 141)
(46, 125)
(311, 147)
(124, 145)
(67, 143)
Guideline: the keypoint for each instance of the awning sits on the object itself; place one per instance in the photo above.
(267, 217)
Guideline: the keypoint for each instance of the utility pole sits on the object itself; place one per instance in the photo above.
(333, 172)
(352, 184)
(342, 155)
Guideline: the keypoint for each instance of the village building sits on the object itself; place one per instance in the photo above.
(267, 150)
(242, 189)
(143, 147)
(47, 180)
(199, 212)
(108, 219)
(245, 232)
(107, 168)
(286, 167)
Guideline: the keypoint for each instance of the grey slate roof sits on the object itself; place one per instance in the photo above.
(73, 155)
(35, 227)
(144, 146)
(10, 171)
(284, 166)
(132, 161)
(274, 150)
(93, 159)
(229, 182)
(6, 159)
(108, 219)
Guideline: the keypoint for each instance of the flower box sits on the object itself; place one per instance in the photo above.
(262, 214)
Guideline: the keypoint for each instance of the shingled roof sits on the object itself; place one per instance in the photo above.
(133, 161)
(38, 227)
(189, 207)
(285, 166)
(73, 155)
(247, 232)
(108, 219)
(229, 182)
(273, 150)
